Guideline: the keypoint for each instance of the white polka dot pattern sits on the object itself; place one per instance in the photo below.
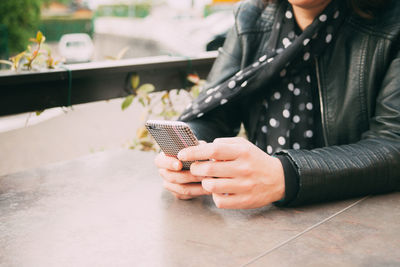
(286, 113)
(328, 38)
(336, 15)
(286, 42)
(263, 58)
(306, 56)
(281, 140)
(232, 84)
(285, 76)
(323, 18)
(291, 129)
(264, 129)
(273, 122)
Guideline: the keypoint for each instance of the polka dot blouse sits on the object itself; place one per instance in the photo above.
(284, 77)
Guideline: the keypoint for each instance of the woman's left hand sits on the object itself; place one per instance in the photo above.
(241, 176)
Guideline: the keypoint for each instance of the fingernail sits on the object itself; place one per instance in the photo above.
(206, 184)
(182, 155)
(176, 165)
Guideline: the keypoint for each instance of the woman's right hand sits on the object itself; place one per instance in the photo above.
(181, 183)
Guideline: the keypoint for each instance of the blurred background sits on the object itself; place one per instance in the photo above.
(124, 28)
(90, 31)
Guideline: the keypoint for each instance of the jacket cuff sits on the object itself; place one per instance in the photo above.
(291, 180)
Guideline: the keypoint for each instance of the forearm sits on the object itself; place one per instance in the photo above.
(368, 167)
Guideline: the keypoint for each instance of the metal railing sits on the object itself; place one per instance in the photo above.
(89, 82)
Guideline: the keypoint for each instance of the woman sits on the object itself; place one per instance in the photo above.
(316, 85)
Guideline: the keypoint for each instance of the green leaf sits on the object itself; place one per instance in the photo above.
(135, 81)
(146, 88)
(122, 53)
(127, 102)
(147, 145)
(195, 91)
(39, 37)
(142, 132)
(168, 114)
(141, 101)
(16, 59)
(38, 112)
(164, 98)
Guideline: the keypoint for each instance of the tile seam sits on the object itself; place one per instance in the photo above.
(303, 232)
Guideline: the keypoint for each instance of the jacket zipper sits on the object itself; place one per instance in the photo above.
(321, 106)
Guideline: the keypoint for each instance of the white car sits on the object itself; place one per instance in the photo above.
(76, 47)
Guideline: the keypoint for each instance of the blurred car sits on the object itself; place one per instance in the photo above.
(76, 47)
(218, 24)
(210, 32)
(217, 42)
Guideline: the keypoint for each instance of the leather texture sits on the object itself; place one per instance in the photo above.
(359, 90)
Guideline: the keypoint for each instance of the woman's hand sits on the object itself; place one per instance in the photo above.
(237, 173)
(180, 182)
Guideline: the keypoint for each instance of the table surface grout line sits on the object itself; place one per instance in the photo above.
(283, 243)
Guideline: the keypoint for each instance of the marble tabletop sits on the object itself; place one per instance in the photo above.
(110, 209)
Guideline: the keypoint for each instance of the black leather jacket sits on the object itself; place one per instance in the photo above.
(359, 93)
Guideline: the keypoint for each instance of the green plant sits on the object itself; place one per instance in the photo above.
(34, 54)
(168, 110)
(21, 19)
(31, 55)
(137, 10)
(65, 2)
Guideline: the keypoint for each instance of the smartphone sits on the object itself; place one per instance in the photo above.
(172, 137)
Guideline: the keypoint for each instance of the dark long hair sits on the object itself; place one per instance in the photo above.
(367, 8)
(364, 8)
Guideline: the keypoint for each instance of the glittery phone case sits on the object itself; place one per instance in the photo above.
(172, 137)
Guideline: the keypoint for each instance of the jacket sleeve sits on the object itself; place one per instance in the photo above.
(224, 121)
(370, 166)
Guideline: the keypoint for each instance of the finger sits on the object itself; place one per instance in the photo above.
(230, 140)
(239, 201)
(182, 197)
(208, 151)
(179, 177)
(222, 169)
(224, 186)
(192, 189)
(164, 162)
